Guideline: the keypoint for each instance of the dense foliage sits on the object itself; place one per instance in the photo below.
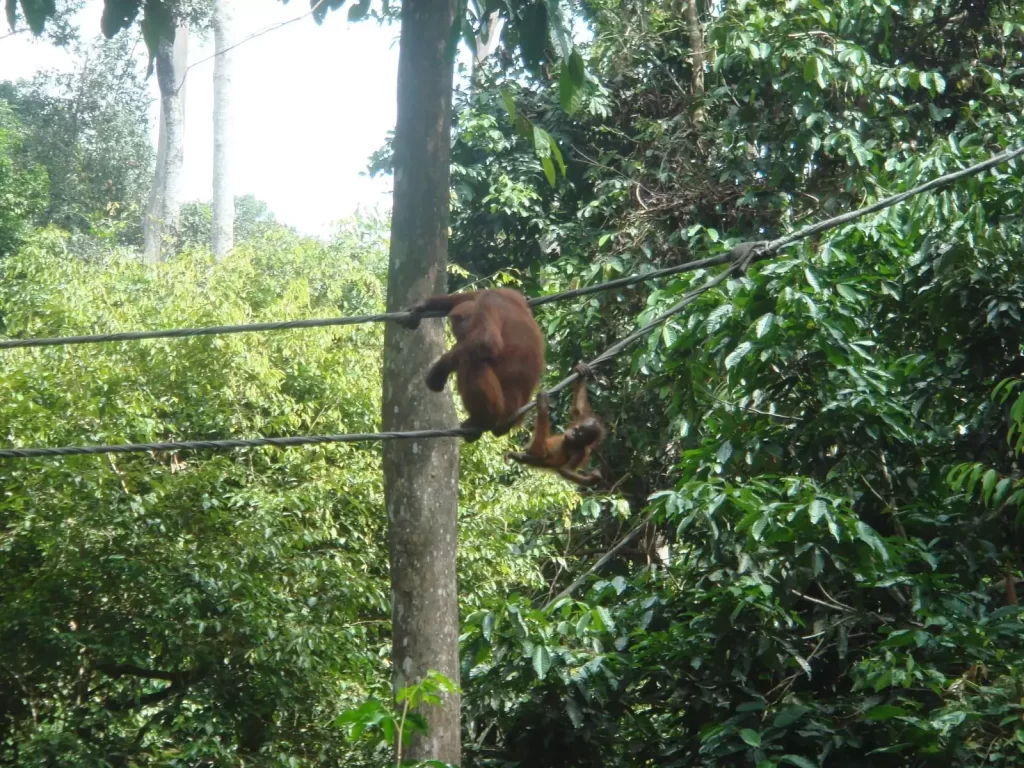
(24, 185)
(828, 445)
(181, 608)
(253, 219)
(90, 129)
(830, 598)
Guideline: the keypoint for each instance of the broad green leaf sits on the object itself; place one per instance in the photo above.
(866, 534)
(510, 104)
(577, 69)
(549, 169)
(817, 510)
(753, 738)
(790, 715)
(360, 9)
(737, 354)
(764, 324)
(569, 94)
(884, 712)
(541, 661)
(604, 618)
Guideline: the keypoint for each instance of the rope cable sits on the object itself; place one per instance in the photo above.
(769, 251)
(288, 325)
(741, 257)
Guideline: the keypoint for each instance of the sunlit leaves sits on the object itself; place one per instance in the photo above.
(544, 144)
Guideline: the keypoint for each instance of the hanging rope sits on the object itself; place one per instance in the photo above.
(740, 257)
(289, 325)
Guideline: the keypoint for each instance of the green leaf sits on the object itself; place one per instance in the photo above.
(866, 534)
(753, 738)
(541, 145)
(604, 618)
(549, 169)
(669, 334)
(577, 69)
(556, 153)
(848, 293)
(817, 510)
(360, 9)
(737, 354)
(812, 280)
(764, 325)
(898, 639)
(575, 713)
(510, 104)
(1017, 409)
(799, 762)
(790, 715)
(569, 94)
(884, 712)
(814, 70)
(724, 452)
(541, 661)
(988, 482)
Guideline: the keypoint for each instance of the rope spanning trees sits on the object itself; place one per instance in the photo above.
(769, 250)
(289, 325)
(739, 259)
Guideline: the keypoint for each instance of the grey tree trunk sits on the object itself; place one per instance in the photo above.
(495, 23)
(696, 57)
(223, 191)
(421, 477)
(164, 206)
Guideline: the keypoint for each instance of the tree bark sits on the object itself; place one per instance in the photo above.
(421, 477)
(696, 57)
(223, 191)
(164, 206)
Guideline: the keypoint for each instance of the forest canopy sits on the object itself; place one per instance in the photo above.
(814, 468)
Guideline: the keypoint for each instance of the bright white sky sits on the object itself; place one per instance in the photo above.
(311, 103)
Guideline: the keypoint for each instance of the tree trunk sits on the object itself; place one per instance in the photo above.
(421, 477)
(223, 193)
(495, 24)
(164, 206)
(696, 57)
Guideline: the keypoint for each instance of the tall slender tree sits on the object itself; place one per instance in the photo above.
(693, 25)
(161, 219)
(421, 477)
(223, 192)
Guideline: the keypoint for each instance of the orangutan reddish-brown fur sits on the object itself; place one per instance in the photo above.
(497, 358)
(567, 452)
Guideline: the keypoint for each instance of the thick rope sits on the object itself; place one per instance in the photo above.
(285, 442)
(216, 445)
(690, 266)
(289, 325)
(741, 257)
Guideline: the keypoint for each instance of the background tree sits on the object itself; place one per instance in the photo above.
(253, 220)
(23, 184)
(164, 207)
(223, 194)
(33, 17)
(89, 129)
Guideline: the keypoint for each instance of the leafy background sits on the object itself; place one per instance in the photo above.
(822, 443)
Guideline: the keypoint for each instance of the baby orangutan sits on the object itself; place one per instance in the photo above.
(567, 452)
